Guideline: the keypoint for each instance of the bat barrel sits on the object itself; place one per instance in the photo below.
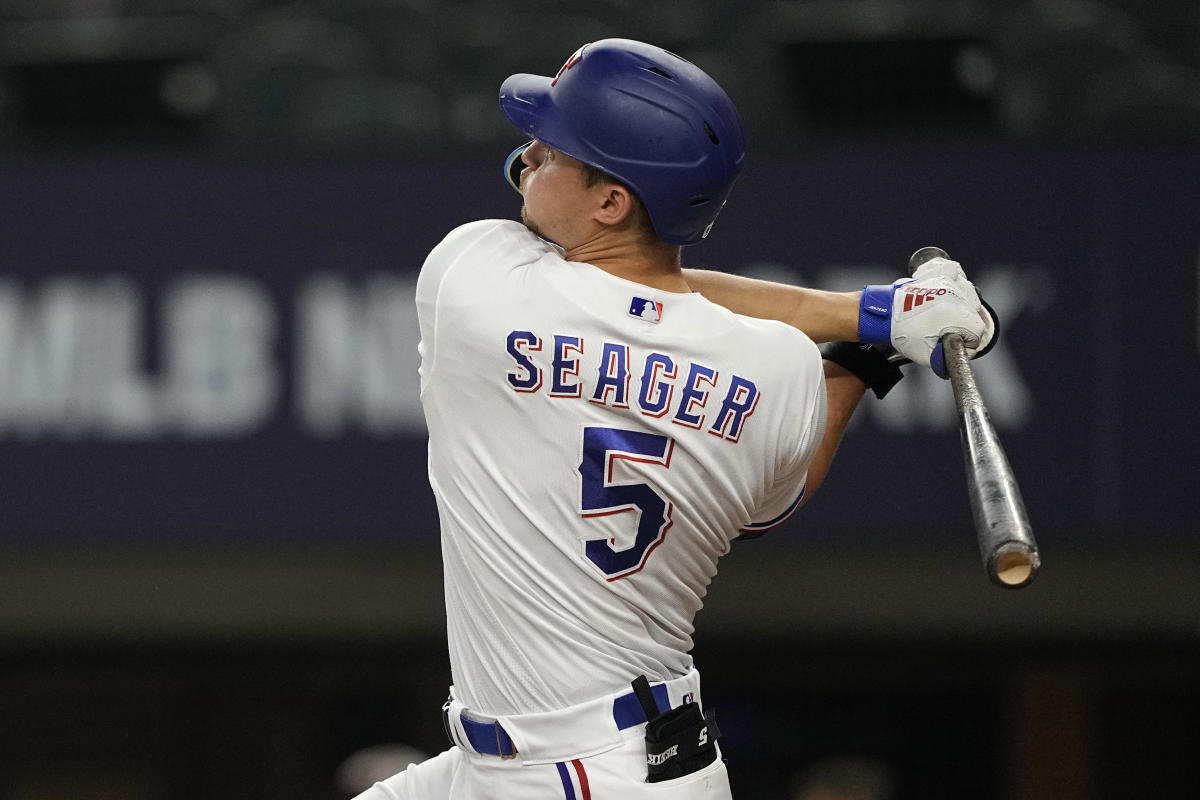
(1006, 541)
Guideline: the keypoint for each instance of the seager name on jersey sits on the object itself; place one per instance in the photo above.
(663, 387)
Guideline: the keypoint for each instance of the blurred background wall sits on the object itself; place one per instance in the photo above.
(219, 574)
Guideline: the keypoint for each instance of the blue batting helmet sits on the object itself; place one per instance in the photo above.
(647, 117)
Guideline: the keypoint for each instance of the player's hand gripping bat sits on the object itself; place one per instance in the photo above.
(1006, 543)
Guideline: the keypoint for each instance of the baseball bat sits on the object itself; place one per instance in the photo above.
(1006, 543)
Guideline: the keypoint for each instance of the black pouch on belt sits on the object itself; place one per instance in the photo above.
(678, 742)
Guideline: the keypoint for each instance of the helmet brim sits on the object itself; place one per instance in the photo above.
(525, 101)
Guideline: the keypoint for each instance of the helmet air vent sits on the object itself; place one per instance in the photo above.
(661, 72)
(712, 135)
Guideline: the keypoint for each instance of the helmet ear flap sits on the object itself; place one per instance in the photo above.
(513, 166)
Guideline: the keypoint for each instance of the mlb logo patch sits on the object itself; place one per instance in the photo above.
(649, 310)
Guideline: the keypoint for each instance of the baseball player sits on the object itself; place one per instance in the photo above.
(603, 423)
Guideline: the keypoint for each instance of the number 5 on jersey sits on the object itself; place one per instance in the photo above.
(600, 496)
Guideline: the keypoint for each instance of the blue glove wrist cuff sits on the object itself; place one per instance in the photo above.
(875, 314)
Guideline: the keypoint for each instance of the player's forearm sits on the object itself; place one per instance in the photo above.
(823, 316)
(843, 392)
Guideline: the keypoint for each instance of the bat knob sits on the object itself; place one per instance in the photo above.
(924, 254)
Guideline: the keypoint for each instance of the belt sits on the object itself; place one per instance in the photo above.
(490, 738)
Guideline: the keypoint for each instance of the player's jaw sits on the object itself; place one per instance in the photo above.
(556, 195)
(530, 224)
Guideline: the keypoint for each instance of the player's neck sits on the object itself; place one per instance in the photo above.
(654, 263)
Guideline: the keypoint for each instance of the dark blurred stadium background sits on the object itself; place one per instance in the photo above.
(218, 554)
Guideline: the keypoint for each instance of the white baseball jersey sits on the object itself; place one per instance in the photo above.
(594, 447)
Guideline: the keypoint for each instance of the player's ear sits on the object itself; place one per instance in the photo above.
(617, 204)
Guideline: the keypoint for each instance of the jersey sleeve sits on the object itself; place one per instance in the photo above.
(804, 427)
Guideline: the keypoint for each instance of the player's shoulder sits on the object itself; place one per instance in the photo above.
(492, 234)
(475, 250)
(480, 229)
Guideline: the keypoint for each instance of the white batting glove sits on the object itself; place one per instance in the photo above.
(913, 314)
